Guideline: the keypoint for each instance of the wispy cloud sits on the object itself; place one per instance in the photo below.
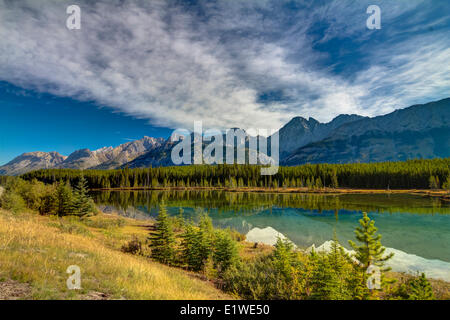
(228, 63)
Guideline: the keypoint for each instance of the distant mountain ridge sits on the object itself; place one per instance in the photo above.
(104, 158)
(419, 131)
(299, 132)
(109, 157)
(31, 161)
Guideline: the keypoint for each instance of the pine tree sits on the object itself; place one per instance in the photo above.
(330, 276)
(283, 256)
(162, 241)
(204, 240)
(48, 204)
(197, 243)
(420, 289)
(370, 253)
(337, 256)
(64, 199)
(446, 184)
(188, 250)
(324, 281)
(225, 251)
(82, 204)
(433, 182)
(358, 284)
(334, 180)
(318, 183)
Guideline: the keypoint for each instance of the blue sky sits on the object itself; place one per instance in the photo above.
(34, 121)
(140, 68)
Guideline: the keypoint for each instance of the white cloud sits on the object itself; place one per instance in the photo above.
(156, 61)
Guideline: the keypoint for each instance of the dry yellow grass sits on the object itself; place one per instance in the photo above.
(35, 251)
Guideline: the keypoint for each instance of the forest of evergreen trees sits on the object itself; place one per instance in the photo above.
(412, 174)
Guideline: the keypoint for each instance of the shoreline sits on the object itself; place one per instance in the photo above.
(250, 250)
(444, 194)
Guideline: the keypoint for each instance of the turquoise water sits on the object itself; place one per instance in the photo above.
(410, 224)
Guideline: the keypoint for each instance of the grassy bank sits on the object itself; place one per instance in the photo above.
(37, 250)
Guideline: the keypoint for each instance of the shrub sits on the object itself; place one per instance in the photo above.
(12, 201)
(134, 246)
(420, 289)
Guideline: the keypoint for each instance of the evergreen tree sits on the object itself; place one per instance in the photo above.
(420, 289)
(286, 274)
(370, 253)
(204, 240)
(225, 251)
(82, 204)
(324, 282)
(48, 204)
(284, 256)
(64, 199)
(446, 184)
(319, 183)
(334, 180)
(358, 284)
(330, 275)
(337, 257)
(197, 243)
(162, 241)
(433, 182)
(188, 245)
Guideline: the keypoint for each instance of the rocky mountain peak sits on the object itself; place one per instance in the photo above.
(31, 161)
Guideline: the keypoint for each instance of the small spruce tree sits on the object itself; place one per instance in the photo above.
(330, 277)
(334, 180)
(64, 199)
(82, 204)
(370, 252)
(420, 289)
(162, 241)
(433, 182)
(225, 251)
(284, 256)
(446, 184)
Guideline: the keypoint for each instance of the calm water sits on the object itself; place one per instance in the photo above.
(416, 228)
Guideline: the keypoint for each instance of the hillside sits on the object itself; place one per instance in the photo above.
(37, 251)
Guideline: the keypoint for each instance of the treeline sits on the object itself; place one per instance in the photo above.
(285, 272)
(248, 203)
(412, 174)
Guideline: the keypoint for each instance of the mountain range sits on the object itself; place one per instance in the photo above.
(419, 131)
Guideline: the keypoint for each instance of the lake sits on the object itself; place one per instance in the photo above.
(416, 228)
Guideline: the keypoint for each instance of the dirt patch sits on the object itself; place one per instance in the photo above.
(13, 290)
(95, 296)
